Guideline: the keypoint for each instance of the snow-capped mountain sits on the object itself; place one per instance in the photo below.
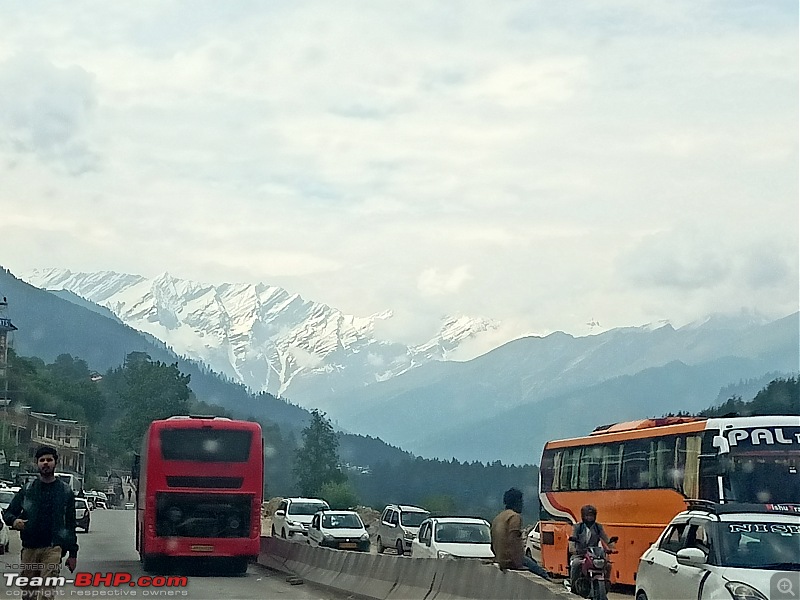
(260, 335)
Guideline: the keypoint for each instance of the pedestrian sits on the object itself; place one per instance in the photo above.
(507, 543)
(43, 511)
(130, 492)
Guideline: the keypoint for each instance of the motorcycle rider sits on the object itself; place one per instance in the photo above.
(588, 533)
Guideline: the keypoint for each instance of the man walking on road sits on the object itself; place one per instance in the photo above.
(507, 543)
(43, 511)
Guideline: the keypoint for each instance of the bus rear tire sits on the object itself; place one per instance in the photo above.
(151, 564)
(239, 566)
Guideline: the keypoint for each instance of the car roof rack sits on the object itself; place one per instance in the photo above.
(741, 507)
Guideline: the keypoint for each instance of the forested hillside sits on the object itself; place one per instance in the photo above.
(118, 405)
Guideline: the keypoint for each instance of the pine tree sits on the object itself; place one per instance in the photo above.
(317, 462)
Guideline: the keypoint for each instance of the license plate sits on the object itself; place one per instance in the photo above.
(348, 545)
(200, 548)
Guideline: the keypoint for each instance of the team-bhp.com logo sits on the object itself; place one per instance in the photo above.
(151, 586)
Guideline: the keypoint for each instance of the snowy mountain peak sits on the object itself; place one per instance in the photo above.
(260, 335)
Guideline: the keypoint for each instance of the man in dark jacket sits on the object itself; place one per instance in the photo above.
(43, 511)
(507, 543)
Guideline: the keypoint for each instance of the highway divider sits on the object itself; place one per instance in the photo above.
(391, 577)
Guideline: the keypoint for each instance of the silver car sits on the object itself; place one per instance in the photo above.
(398, 526)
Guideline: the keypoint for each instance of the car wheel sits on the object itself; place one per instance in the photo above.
(399, 547)
(381, 547)
(283, 533)
(528, 552)
(273, 531)
(641, 596)
(8, 546)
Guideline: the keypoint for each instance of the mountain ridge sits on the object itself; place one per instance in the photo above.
(260, 335)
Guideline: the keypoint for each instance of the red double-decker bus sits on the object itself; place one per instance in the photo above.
(199, 483)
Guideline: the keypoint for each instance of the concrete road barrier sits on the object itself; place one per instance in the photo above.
(388, 577)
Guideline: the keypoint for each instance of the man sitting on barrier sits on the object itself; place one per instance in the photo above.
(507, 542)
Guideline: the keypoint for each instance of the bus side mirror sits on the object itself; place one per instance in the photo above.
(135, 467)
(721, 444)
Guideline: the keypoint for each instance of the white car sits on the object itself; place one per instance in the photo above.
(714, 551)
(533, 544)
(398, 526)
(5, 541)
(6, 495)
(341, 529)
(293, 516)
(453, 537)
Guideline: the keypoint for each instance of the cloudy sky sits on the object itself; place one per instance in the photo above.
(543, 164)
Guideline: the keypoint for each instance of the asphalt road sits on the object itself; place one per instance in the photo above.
(109, 547)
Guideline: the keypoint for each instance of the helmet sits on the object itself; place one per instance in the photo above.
(588, 510)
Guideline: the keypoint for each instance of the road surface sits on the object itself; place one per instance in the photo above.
(109, 547)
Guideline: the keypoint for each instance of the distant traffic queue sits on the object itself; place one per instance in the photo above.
(638, 474)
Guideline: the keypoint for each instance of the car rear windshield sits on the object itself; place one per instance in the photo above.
(413, 518)
(766, 545)
(463, 533)
(341, 522)
(306, 508)
(206, 445)
(6, 497)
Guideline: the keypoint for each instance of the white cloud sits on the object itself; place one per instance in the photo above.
(433, 283)
(539, 164)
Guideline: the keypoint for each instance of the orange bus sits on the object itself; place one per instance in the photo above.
(199, 483)
(639, 473)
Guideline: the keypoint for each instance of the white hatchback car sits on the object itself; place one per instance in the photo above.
(398, 526)
(453, 537)
(714, 551)
(293, 516)
(340, 529)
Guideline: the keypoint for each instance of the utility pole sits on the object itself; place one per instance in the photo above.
(6, 326)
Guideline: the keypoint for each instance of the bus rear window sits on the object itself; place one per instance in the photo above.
(206, 445)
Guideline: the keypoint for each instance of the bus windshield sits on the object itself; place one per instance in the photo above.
(206, 445)
(763, 478)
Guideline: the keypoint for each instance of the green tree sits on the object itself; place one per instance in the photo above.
(440, 504)
(151, 391)
(317, 461)
(340, 496)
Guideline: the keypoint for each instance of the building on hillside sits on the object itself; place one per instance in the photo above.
(23, 431)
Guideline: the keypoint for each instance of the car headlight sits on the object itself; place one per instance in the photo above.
(327, 537)
(743, 591)
(294, 523)
(409, 535)
(443, 554)
(364, 536)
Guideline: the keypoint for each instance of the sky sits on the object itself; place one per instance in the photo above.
(545, 165)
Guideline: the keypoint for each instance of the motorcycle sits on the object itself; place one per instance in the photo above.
(591, 581)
